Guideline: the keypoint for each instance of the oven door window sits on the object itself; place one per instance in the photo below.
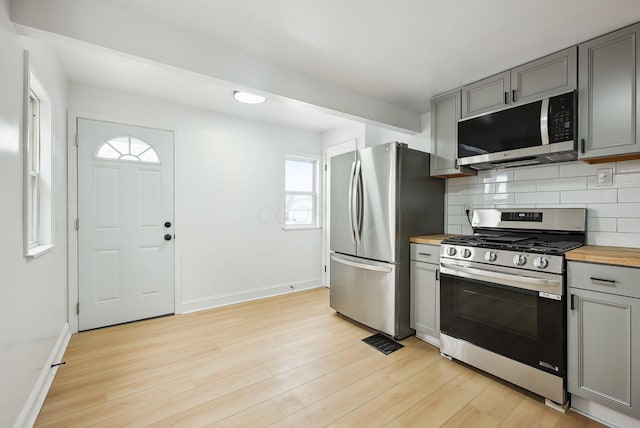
(509, 321)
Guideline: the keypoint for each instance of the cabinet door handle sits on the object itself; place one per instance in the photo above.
(603, 281)
(425, 254)
(437, 274)
(506, 97)
(573, 302)
(513, 95)
(582, 145)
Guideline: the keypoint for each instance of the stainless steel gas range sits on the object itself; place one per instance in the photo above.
(503, 295)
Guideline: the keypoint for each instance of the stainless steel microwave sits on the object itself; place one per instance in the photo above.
(539, 132)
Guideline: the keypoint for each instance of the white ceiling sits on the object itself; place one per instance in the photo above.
(402, 52)
(90, 64)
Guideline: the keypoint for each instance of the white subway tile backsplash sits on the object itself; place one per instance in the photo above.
(572, 183)
(598, 224)
(626, 167)
(496, 198)
(620, 181)
(463, 200)
(536, 173)
(516, 186)
(454, 190)
(582, 169)
(454, 229)
(561, 205)
(538, 198)
(495, 176)
(457, 219)
(460, 181)
(613, 239)
(629, 225)
(455, 209)
(478, 189)
(614, 210)
(629, 195)
(589, 196)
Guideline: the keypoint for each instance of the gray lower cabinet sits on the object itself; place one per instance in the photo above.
(609, 109)
(604, 335)
(425, 292)
(445, 113)
(551, 75)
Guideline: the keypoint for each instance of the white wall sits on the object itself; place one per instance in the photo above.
(230, 245)
(613, 212)
(367, 135)
(33, 294)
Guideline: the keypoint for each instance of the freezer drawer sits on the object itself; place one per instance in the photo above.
(364, 291)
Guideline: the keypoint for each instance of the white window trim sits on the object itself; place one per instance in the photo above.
(43, 171)
(317, 163)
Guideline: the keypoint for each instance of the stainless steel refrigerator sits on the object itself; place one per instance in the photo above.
(380, 197)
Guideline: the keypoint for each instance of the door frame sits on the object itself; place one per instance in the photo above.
(329, 152)
(72, 209)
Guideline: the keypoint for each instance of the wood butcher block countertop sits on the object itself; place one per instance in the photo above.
(430, 239)
(606, 255)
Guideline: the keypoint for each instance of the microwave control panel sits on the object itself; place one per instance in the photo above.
(561, 120)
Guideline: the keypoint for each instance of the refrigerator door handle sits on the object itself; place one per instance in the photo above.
(352, 177)
(356, 201)
(360, 203)
(361, 265)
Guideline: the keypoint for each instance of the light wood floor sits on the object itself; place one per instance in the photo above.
(284, 361)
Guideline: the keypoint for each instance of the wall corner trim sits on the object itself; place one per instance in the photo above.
(34, 403)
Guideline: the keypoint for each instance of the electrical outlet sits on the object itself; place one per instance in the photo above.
(605, 177)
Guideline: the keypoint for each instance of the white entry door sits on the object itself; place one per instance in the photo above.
(125, 212)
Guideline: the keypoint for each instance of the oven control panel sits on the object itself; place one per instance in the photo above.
(504, 258)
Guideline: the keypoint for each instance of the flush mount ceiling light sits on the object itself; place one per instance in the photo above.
(247, 98)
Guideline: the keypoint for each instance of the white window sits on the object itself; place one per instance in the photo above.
(33, 170)
(38, 188)
(127, 149)
(301, 192)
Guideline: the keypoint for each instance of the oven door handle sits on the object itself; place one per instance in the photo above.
(521, 281)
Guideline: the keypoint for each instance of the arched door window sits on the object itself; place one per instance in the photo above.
(128, 149)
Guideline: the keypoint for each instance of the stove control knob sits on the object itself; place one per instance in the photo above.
(451, 251)
(540, 262)
(519, 260)
(490, 256)
(466, 253)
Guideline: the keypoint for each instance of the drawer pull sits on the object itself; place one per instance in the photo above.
(603, 281)
(424, 254)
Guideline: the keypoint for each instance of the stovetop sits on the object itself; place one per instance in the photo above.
(515, 243)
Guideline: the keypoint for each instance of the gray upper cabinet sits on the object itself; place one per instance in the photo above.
(554, 74)
(548, 76)
(604, 335)
(608, 104)
(486, 95)
(445, 113)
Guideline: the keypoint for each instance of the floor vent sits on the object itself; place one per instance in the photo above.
(382, 343)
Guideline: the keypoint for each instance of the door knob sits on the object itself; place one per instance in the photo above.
(167, 224)
(167, 237)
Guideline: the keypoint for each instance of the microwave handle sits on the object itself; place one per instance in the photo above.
(544, 121)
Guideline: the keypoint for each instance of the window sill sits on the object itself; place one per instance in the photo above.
(290, 228)
(38, 251)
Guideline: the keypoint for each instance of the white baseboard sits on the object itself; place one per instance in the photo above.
(201, 304)
(34, 403)
(601, 413)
